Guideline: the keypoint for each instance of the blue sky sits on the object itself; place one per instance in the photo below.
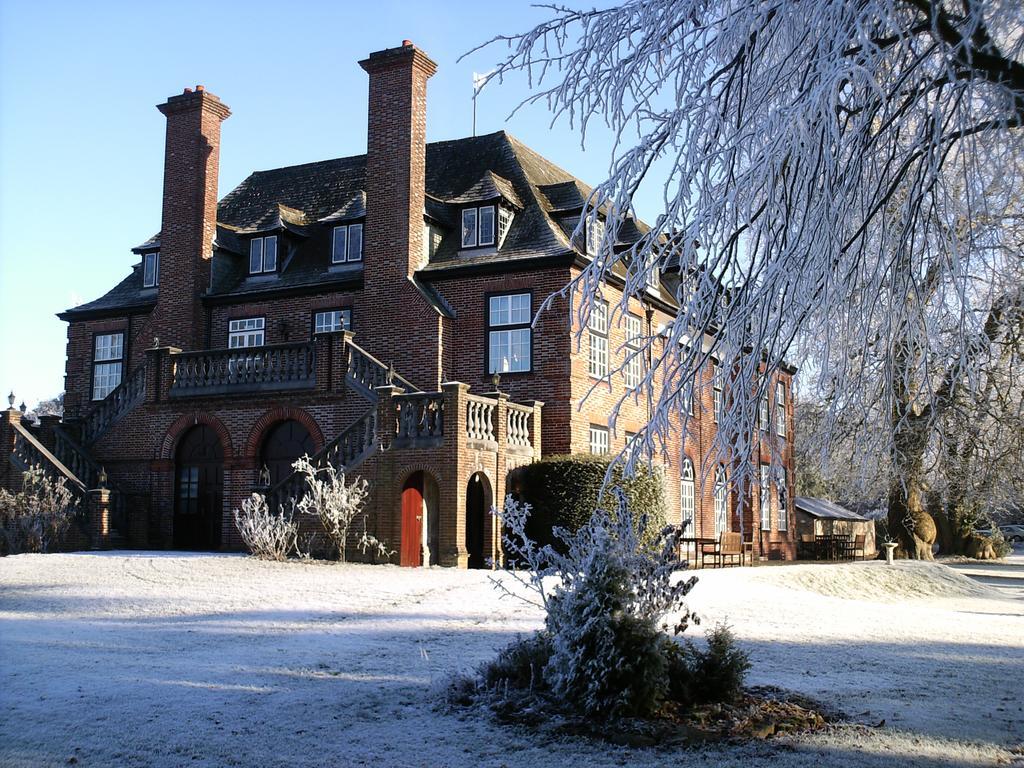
(81, 144)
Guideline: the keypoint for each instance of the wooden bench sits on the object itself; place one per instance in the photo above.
(729, 545)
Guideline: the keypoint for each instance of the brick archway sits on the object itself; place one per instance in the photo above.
(275, 416)
(183, 423)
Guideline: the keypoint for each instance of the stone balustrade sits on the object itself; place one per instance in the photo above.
(273, 367)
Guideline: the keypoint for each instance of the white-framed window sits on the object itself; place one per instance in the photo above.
(151, 269)
(263, 255)
(654, 276)
(780, 409)
(597, 364)
(721, 502)
(687, 496)
(107, 363)
(329, 320)
(595, 235)
(783, 505)
(716, 389)
(765, 496)
(598, 440)
(632, 369)
(504, 223)
(246, 332)
(347, 243)
(478, 226)
(509, 336)
(762, 416)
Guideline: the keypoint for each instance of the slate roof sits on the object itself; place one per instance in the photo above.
(827, 510)
(304, 201)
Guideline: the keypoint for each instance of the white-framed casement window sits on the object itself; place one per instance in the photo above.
(597, 364)
(263, 255)
(598, 440)
(107, 363)
(504, 223)
(716, 389)
(762, 415)
(780, 409)
(783, 505)
(595, 236)
(687, 496)
(329, 320)
(721, 502)
(765, 497)
(632, 368)
(151, 269)
(478, 226)
(509, 336)
(347, 244)
(246, 332)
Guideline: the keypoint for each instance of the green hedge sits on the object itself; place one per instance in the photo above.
(564, 490)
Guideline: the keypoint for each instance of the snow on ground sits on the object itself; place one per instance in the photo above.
(151, 659)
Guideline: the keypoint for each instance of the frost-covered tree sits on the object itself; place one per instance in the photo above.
(334, 501)
(835, 178)
(35, 518)
(607, 597)
(267, 533)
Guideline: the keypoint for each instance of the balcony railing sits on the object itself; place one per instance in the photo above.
(480, 413)
(274, 367)
(519, 417)
(367, 373)
(419, 419)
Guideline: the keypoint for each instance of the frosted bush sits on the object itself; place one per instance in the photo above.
(267, 534)
(333, 501)
(607, 599)
(36, 517)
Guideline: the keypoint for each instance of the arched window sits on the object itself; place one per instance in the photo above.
(686, 496)
(721, 501)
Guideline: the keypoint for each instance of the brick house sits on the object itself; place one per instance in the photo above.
(357, 310)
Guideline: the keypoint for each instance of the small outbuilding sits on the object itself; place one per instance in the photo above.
(820, 517)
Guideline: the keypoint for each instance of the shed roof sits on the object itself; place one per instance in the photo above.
(827, 510)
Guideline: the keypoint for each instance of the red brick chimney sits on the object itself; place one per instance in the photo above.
(395, 186)
(189, 220)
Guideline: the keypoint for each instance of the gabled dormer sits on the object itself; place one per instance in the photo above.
(485, 213)
(270, 242)
(346, 226)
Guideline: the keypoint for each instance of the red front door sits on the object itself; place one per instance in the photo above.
(412, 521)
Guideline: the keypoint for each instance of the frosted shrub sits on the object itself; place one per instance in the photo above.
(267, 534)
(333, 501)
(606, 598)
(36, 517)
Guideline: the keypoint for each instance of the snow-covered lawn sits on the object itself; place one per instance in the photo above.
(143, 659)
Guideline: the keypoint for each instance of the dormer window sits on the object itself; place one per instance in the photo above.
(263, 255)
(478, 226)
(595, 234)
(151, 269)
(347, 244)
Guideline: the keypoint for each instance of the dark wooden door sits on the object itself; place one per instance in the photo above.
(198, 497)
(285, 443)
(475, 518)
(411, 553)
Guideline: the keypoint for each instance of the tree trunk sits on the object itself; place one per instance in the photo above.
(912, 526)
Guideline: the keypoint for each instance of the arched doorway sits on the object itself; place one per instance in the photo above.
(199, 480)
(478, 503)
(285, 442)
(420, 514)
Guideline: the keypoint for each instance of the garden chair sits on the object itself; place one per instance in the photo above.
(855, 546)
(729, 545)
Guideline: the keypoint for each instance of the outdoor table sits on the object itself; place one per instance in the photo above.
(696, 542)
(831, 546)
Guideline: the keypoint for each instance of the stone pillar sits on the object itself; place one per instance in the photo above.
(331, 362)
(159, 372)
(453, 479)
(98, 500)
(10, 477)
